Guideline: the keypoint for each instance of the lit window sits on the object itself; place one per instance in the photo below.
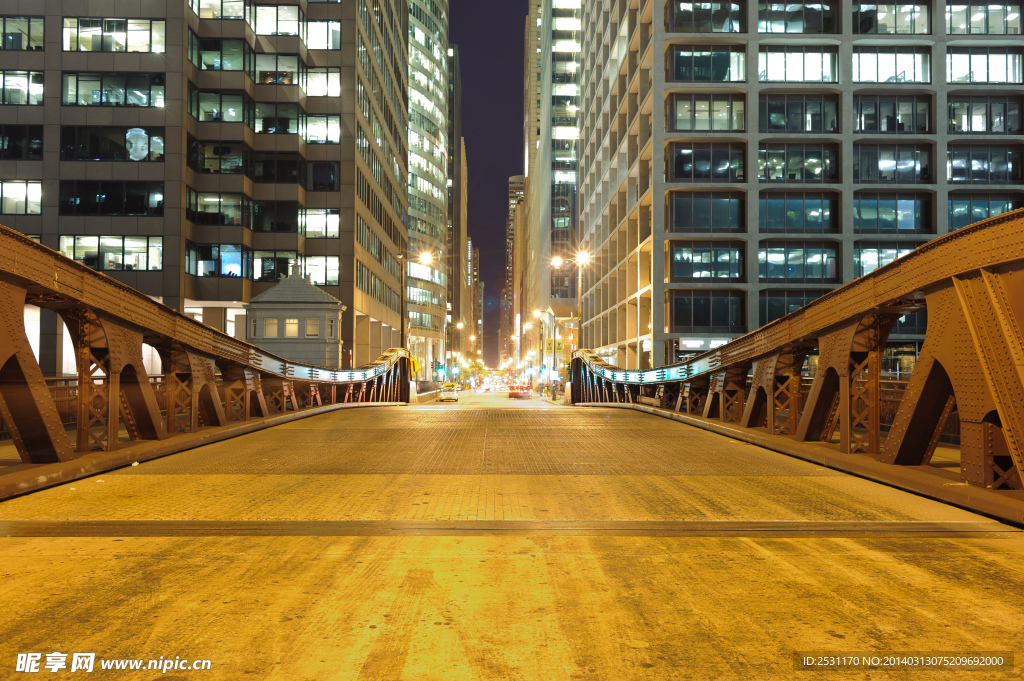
(21, 87)
(270, 328)
(114, 35)
(312, 328)
(796, 64)
(704, 17)
(291, 328)
(20, 197)
(902, 19)
(891, 65)
(774, 17)
(21, 33)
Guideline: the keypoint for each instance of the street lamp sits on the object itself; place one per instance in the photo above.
(581, 260)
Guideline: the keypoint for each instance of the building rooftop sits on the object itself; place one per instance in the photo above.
(295, 289)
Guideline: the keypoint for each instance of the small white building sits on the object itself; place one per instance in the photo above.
(297, 321)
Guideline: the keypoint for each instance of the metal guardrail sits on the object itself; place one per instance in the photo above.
(210, 380)
(969, 376)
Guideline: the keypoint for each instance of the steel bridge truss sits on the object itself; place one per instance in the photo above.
(971, 282)
(210, 379)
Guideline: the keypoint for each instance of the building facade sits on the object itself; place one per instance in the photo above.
(429, 266)
(740, 159)
(456, 242)
(508, 332)
(477, 294)
(198, 150)
(551, 133)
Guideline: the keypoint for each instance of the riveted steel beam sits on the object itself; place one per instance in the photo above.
(969, 370)
(210, 379)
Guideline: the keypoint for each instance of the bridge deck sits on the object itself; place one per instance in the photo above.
(497, 540)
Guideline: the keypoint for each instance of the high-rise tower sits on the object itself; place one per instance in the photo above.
(199, 150)
(429, 265)
(740, 159)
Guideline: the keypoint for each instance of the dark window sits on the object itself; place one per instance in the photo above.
(707, 63)
(915, 323)
(798, 212)
(798, 163)
(704, 311)
(90, 143)
(89, 197)
(892, 164)
(798, 113)
(891, 114)
(280, 119)
(707, 261)
(21, 142)
(221, 54)
(277, 166)
(707, 212)
(892, 213)
(983, 164)
(277, 216)
(280, 69)
(323, 176)
(776, 304)
(720, 162)
(966, 209)
(214, 208)
(224, 157)
(798, 261)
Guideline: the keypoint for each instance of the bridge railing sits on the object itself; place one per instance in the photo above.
(968, 381)
(209, 379)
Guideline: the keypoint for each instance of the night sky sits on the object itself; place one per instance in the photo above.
(489, 34)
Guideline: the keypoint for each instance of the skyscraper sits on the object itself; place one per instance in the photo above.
(740, 160)
(516, 193)
(429, 265)
(199, 150)
(459, 303)
(551, 132)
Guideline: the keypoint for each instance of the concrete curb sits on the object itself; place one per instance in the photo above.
(925, 481)
(25, 478)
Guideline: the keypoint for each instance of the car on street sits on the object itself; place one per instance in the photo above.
(520, 392)
(449, 392)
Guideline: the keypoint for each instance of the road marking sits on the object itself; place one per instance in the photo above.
(357, 528)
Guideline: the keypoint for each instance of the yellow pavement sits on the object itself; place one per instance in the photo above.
(498, 539)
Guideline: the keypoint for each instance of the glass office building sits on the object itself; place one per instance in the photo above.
(739, 159)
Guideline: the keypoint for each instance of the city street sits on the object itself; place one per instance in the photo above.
(498, 539)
